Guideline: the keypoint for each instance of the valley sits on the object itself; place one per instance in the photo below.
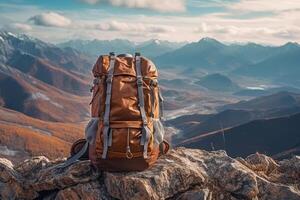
(246, 94)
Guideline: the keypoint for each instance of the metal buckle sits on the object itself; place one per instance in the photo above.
(139, 81)
(109, 80)
(129, 155)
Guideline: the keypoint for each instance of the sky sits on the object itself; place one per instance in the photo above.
(272, 22)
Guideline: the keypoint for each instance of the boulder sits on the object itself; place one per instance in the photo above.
(182, 174)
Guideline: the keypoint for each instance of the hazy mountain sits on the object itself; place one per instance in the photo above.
(68, 58)
(65, 69)
(265, 92)
(213, 55)
(218, 82)
(269, 136)
(26, 94)
(149, 48)
(253, 52)
(278, 105)
(274, 101)
(48, 73)
(283, 65)
(278, 64)
(99, 47)
(153, 48)
(208, 54)
(225, 119)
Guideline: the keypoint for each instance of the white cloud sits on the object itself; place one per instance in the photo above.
(156, 5)
(131, 27)
(241, 21)
(51, 19)
(236, 32)
(264, 5)
(18, 27)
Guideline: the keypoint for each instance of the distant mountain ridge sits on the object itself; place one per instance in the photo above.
(282, 66)
(150, 48)
(24, 93)
(279, 105)
(42, 80)
(248, 59)
(67, 58)
(65, 69)
(275, 101)
(207, 53)
(268, 136)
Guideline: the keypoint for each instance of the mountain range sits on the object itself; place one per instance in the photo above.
(277, 137)
(210, 53)
(244, 120)
(207, 54)
(277, 64)
(282, 66)
(44, 97)
(44, 91)
(36, 77)
(150, 48)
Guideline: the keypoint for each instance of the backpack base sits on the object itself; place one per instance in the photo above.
(122, 164)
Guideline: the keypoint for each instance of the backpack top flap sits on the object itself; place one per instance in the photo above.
(125, 66)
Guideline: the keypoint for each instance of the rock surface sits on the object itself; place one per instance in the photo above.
(182, 174)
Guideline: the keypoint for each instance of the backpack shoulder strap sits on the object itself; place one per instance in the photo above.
(146, 133)
(107, 134)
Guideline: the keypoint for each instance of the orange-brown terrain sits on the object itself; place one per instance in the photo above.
(37, 99)
(44, 97)
(22, 136)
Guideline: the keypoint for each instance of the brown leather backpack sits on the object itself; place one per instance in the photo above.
(125, 132)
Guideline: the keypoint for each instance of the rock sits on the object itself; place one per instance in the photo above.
(30, 167)
(55, 178)
(11, 183)
(196, 194)
(276, 191)
(182, 174)
(91, 191)
(290, 172)
(261, 163)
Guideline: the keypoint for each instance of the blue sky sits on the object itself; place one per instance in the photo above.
(261, 21)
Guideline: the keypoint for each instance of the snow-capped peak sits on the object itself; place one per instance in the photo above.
(156, 41)
(11, 34)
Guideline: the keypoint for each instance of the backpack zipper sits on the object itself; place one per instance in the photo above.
(129, 155)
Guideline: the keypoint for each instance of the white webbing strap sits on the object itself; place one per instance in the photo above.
(161, 105)
(106, 133)
(146, 133)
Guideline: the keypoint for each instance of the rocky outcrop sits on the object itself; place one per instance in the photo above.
(182, 174)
